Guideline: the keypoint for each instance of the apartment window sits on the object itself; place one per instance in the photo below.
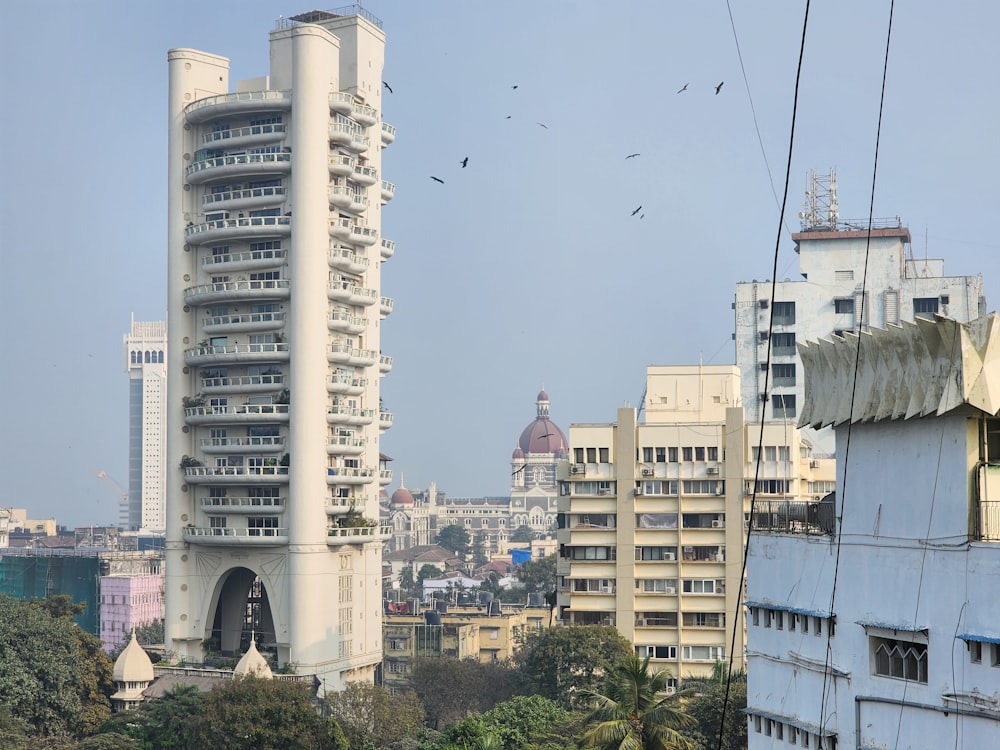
(686, 454)
(591, 455)
(657, 652)
(699, 454)
(770, 453)
(704, 487)
(710, 586)
(704, 620)
(995, 658)
(783, 405)
(704, 653)
(578, 455)
(844, 305)
(783, 453)
(603, 455)
(783, 344)
(975, 651)
(925, 307)
(713, 453)
(647, 455)
(656, 585)
(656, 553)
(901, 659)
(784, 313)
(672, 455)
(783, 374)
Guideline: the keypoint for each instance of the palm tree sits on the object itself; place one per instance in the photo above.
(636, 713)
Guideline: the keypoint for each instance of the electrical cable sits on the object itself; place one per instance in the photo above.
(839, 519)
(760, 440)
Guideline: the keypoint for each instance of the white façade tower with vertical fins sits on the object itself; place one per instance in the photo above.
(274, 315)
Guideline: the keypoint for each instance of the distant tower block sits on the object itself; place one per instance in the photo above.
(819, 209)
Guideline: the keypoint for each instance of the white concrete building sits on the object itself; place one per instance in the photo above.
(651, 522)
(883, 631)
(143, 507)
(274, 315)
(828, 300)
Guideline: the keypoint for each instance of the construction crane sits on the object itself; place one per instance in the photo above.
(119, 490)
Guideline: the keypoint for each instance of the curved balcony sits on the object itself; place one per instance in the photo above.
(341, 102)
(255, 505)
(342, 133)
(339, 506)
(226, 537)
(384, 363)
(238, 165)
(348, 291)
(345, 354)
(342, 445)
(349, 415)
(231, 200)
(343, 320)
(243, 261)
(343, 475)
(388, 190)
(385, 305)
(387, 248)
(354, 535)
(349, 230)
(385, 477)
(247, 413)
(235, 474)
(225, 105)
(346, 259)
(346, 384)
(262, 444)
(247, 228)
(365, 175)
(243, 384)
(254, 135)
(342, 165)
(218, 355)
(269, 321)
(347, 199)
(234, 291)
(388, 133)
(385, 419)
(365, 114)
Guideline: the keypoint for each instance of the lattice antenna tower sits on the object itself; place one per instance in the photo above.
(819, 209)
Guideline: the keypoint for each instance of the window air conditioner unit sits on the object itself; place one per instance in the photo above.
(647, 472)
(712, 470)
(670, 590)
(814, 464)
(717, 524)
(605, 589)
(638, 491)
(576, 469)
(762, 303)
(670, 556)
(603, 491)
(669, 690)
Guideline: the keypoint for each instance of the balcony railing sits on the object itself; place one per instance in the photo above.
(227, 536)
(208, 201)
(248, 258)
(280, 160)
(365, 175)
(218, 136)
(235, 471)
(267, 382)
(262, 443)
(388, 133)
(243, 504)
(794, 517)
(245, 319)
(252, 99)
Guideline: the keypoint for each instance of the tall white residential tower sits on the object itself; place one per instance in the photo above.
(143, 506)
(275, 309)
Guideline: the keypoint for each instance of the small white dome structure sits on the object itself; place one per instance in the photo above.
(253, 663)
(132, 674)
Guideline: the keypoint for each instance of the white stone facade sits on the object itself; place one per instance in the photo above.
(144, 507)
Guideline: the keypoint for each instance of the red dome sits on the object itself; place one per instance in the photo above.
(402, 496)
(543, 436)
(518, 453)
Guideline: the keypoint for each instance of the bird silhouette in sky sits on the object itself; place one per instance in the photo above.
(683, 89)
(631, 156)
(507, 117)
(637, 211)
(514, 87)
(547, 434)
(719, 88)
(642, 216)
(465, 162)
(437, 179)
(519, 469)
(543, 125)
(387, 86)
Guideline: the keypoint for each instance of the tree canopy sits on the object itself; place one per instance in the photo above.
(371, 717)
(538, 576)
(523, 533)
(454, 538)
(451, 689)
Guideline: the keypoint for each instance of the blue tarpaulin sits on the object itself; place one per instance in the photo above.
(518, 556)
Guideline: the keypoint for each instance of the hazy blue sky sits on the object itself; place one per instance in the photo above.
(526, 267)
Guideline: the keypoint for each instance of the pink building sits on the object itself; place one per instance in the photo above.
(128, 602)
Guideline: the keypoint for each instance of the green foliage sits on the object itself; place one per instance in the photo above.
(455, 539)
(559, 662)
(259, 714)
(54, 680)
(451, 689)
(165, 723)
(634, 712)
(371, 717)
(428, 571)
(523, 533)
(538, 575)
(705, 705)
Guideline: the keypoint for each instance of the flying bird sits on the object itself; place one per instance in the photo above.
(631, 156)
(465, 162)
(437, 179)
(683, 89)
(514, 86)
(519, 469)
(637, 211)
(543, 125)
(718, 88)
(642, 216)
(507, 117)
(387, 86)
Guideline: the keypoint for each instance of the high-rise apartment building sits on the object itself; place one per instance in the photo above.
(884, 629)
(144, 504)
(652, 515)
(851, 280)
(275, 310)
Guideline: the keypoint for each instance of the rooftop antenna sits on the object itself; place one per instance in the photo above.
(820, 209)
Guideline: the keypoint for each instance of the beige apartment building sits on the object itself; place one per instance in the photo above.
(653, 515)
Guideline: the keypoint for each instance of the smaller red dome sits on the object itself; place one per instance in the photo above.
(402, 496)
(518, 453)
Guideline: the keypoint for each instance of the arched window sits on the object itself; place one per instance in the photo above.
(147, 358)
(134, 359)
(159, 357)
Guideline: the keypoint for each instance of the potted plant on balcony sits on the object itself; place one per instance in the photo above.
(355, 519)
(188, 462)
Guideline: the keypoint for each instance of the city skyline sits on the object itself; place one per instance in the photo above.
(524, 268)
